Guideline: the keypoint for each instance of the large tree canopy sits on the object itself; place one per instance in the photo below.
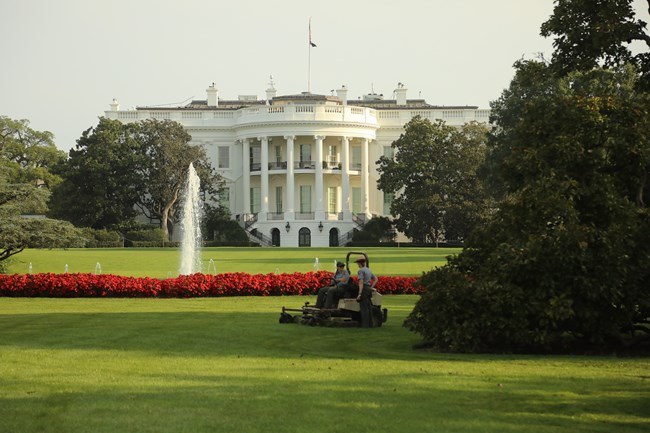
(565, 262)
(102, 178)
(169, 154)
(433, 177)
(26, 156)
(592, 33)
(117, 169)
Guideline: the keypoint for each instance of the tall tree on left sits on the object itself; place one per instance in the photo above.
(26, 157)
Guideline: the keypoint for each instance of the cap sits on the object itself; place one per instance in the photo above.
(339, 264)
(360, 259)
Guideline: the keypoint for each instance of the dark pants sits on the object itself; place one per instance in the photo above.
(366, 307)
(322, 296)
(333, 295)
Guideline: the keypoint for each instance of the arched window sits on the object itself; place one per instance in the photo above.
(334, 237)
(304, 237)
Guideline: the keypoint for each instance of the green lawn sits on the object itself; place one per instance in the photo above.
(226, 365)
(165, 262)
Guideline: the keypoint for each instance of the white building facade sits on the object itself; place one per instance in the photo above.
(300, 170)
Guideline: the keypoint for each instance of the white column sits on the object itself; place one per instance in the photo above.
(364, 178)
(345, 180)
(264, 174)
(246, 176)
(289, 209)
(319, 214)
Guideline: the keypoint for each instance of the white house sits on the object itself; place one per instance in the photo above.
(300, 170)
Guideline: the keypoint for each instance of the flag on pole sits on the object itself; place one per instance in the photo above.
(311, 44)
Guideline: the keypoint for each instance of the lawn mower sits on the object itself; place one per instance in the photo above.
(347, 312)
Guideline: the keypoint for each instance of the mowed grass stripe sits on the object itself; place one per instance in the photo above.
(225, 364)
(165, 262)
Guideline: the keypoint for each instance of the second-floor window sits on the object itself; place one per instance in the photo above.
(331, 155)
(355, 163)
(224, 157)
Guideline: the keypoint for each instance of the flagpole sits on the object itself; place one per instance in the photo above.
(309, 60)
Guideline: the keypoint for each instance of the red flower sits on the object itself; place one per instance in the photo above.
(185, 286)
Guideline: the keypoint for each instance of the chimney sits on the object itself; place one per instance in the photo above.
(115, 106)
(213, 96)
(342, 93)
(270, 93)
(400, 94)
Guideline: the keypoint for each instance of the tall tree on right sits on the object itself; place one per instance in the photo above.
(565, 262)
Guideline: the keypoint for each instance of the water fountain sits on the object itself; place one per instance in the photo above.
(212, 267)
(191, 225)
(98, 269)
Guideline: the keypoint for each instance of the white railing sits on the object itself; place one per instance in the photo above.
(452, 116)
(164, 115)
(301, 112)
(326, 113)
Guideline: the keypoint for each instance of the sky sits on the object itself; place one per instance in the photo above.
(63, 61)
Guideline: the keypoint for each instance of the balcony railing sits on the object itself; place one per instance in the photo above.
(279, 165)
(304, 165)
(331, 165)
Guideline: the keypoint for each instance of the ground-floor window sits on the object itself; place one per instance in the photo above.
(275, 237)
(304, 237)
(334, 237)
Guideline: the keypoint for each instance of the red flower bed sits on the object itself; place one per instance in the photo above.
(185, 286)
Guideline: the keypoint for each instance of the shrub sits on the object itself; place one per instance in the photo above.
(102, 238)
(153, 235)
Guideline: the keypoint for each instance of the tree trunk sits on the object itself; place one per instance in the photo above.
(165, 214)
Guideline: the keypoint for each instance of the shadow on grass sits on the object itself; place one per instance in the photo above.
(206, 369)
(267, 400)
(201, 333)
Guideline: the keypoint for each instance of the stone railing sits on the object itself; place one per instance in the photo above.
(452, 116)
(252, 115)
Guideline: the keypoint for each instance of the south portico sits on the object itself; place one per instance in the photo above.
(305, 190)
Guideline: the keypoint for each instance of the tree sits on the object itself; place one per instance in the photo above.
(117, 169)
(435, 181)
(169, 154)
(103, 178)
(378, 229)
(28, 155)
(564, 264)
(591, 34)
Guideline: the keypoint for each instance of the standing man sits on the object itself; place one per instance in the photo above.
(367, 281)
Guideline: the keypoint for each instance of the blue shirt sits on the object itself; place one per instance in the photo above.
(365, 275)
